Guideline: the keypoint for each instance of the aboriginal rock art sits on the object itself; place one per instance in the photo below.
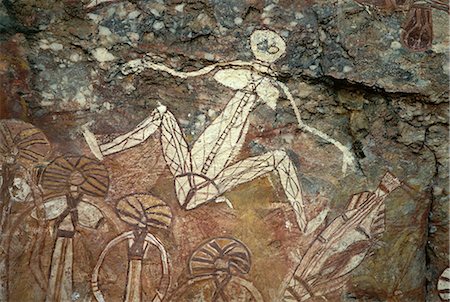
(141, 211)
(342, 245)
(67, 182)
(23, 147)
(417, 29)
(206, 170)
(443, 285)
(216, 270)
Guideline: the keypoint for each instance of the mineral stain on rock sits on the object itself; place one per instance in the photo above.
(224, 150)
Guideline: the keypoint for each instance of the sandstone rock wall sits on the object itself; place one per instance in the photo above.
(224, 191)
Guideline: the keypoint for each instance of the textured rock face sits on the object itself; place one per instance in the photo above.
(152, 150)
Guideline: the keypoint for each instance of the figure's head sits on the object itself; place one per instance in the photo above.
(267, 46)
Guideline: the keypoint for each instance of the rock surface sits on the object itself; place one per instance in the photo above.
(62, 69)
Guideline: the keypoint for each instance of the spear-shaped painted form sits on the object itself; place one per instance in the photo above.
(342, 245)
(142, 212)
(72, 177)
(22, 147)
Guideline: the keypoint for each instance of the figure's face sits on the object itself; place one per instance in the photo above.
(267, 46)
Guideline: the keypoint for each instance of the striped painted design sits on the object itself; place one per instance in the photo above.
(342, 245)
(88, 175)
(144, 210)
(22, 142)
(221, 254)
(443, 285)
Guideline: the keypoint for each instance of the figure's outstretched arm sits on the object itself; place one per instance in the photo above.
(348, 159)
(148, 62)
(138, 65)
(135, 137)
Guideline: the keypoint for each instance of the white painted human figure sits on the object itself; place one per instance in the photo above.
(206, 170)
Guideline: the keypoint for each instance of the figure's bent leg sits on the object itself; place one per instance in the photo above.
(175, 148)
(222, 140)
(135, 137)
(253, 167)
(177, 155)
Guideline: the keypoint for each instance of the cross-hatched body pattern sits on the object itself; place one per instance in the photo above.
(204, 172)
(257, 166)
(267, 47)
(221, 142)
(138, 135)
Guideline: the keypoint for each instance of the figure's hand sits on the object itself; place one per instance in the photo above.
(133, 66)
(348, 161)
(92, 142)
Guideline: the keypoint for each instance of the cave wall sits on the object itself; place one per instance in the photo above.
(223, 151)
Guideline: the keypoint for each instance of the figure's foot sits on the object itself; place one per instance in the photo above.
(225, 200)
(92, 142)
